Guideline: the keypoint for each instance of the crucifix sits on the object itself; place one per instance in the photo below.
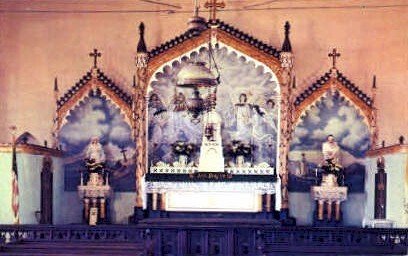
(213, 5)
(95, 54)
(123, 151)
(334, 55)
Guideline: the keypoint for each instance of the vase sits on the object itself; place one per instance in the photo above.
(183, 160)
(240, 161)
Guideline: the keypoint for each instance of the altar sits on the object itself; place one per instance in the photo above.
(212, 111)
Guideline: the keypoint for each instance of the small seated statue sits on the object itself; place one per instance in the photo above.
(95, 161)
(332, 172)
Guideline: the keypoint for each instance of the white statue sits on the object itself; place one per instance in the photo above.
(95, 156)
(331, 150)
(95, 151)
(332, 171)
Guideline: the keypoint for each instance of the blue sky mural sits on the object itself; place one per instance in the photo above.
(253, 120)
(96, 116)
(334, 115)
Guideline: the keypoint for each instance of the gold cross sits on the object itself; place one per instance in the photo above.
(334, 55)
(213, 5)
(95, 54)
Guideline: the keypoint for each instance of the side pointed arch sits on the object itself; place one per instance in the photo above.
(94, 81)
(331, 82)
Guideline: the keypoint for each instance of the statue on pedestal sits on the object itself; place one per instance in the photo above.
(97, 190)
(329, 193)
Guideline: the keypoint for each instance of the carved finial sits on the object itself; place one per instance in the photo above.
(95, 55)
(334, 55)
(141, 46)
(213, 5)
(401, 140)
(56, 85)
(286, 46)
(374, 82)
(141, 28)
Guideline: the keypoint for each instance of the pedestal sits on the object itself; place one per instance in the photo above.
(95, 195)
(328, 196)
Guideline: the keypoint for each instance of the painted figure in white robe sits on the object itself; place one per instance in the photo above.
(243, 118)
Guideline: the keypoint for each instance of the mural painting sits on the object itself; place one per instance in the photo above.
(97, 121)
(247, 103)
(331, 115)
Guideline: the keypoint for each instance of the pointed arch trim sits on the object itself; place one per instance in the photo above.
(333, 84)
(244, 47)
(92, 85)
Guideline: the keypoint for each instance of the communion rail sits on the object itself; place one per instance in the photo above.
(220, 239)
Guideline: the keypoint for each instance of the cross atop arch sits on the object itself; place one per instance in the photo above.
(213, 5)
(95, 55)
(334, 55)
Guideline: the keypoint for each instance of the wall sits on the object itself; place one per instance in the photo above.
(29, 182)
(6, 214)
(36, 47)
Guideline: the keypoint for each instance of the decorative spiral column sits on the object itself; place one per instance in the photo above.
(286, 118)
(139, 114)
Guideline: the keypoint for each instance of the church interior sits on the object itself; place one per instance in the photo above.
(204, 127)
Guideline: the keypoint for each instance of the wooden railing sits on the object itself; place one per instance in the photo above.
(178, 238)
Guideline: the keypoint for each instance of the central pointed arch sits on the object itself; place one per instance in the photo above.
(261, 77)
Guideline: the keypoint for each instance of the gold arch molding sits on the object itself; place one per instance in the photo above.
(92, 85)
(361, 106)
(245, 48)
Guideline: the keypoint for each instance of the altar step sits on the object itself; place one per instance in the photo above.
(73, 248)
(270, 217)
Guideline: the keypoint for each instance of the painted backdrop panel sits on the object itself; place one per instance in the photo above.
(332, 114)
(96, 116)
(246, 101)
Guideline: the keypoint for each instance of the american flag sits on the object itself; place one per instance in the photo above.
(15, 205)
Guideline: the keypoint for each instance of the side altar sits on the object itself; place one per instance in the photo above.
(331, 191)
(96, 190)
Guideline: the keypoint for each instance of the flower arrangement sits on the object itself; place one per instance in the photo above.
(183, 148)
(332, 167)
(238, 148)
